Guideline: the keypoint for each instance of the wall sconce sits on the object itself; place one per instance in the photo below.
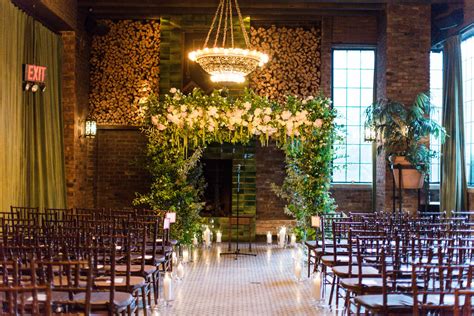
(370, 135)
(316, 221)
(91, 128)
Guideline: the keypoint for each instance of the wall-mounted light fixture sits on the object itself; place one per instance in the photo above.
(91, 128)
(370, 135)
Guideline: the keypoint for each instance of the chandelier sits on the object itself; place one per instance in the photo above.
(227, 64)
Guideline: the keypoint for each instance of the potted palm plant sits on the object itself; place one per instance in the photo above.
(403, 133)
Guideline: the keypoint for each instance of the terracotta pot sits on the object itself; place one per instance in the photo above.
(411, 178)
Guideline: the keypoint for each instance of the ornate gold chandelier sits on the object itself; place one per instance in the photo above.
(227, 64)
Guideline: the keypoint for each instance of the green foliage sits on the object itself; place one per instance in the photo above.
(404, 131)
(180, 127)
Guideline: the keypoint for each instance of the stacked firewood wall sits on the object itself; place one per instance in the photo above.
(124, 71)
(295, 61)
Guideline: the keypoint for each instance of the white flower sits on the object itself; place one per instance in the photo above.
(173, 90)
(266, 119)
(184, 108)
(285, 115)
(176, 97)
(154, 120)
(161, 127)
(318, 123)
(268, 111)
(247, 106)
(304, 102)
(257, 112)
(310, 98)
(212, 111)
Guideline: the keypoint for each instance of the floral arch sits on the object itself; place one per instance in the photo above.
(181, 126)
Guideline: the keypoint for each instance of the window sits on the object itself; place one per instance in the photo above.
(353, 92)
(467, 52)
(436, 94)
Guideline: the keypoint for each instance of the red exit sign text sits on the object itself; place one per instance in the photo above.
(35, 73)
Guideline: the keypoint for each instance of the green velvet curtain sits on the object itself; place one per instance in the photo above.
(31, 132)
(453, 173)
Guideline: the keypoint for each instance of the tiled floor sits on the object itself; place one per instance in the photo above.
(260, 285)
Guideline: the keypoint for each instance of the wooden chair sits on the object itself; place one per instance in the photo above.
(389, 301)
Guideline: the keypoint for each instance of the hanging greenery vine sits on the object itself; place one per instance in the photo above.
(181, 126)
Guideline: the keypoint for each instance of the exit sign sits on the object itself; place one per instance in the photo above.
(35, 73)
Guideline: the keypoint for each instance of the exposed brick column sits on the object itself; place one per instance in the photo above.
(326, 60)
(69, 116)
(402, 73)
(77, 149)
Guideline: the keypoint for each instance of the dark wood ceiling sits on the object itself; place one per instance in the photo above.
(257, 9)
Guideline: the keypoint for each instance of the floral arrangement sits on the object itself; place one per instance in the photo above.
(196, 119)
(181, 126)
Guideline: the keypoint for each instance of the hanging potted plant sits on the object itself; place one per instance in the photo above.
(403, 132)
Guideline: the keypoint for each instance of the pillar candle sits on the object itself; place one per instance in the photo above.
(298, 270)
(175, 259)
(269, 237)
(185, 255)
(167, 287)
(207, 237)
(180, 271)
(293, 240)
(219, 236)
(316, 286)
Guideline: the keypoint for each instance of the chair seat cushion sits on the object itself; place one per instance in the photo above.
(329, 260)
(121, 299)
(367, 284)
(120, 282)
(134, 268)
(343, 271)
(434, 299)
(330, 251)
(395, 302)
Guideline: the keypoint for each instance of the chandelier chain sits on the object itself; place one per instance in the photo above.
(221, 6)
(225, 23)
(241, 22)
(212, 24)
(231, 25)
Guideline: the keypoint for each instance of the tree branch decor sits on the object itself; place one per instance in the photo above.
(180, 127)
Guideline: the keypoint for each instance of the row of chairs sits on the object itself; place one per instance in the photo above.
(83, 260)
(384, 264)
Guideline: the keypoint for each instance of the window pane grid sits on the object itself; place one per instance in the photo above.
(467, 52)
(353, 80)
(436, 94)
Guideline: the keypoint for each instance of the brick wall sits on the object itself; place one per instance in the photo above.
(78, 151)
(353, 197)
(402, 73)
(120, 167)
(270, 163)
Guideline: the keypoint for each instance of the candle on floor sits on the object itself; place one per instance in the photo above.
(269, 237)
(175, 259)
(207, 237)
(293, 240)
(298, 270)
(282, 237)
(218, 236)
(167, 288)
(316, 286)
(185, 255)
(180, 271)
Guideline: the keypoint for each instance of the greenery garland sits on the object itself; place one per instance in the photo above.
(181, 126)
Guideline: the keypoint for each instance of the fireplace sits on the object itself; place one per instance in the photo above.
(218, 193)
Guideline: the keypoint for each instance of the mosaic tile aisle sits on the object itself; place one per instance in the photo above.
(261, 285)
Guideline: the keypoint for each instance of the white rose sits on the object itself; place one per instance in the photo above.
(173, 90)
